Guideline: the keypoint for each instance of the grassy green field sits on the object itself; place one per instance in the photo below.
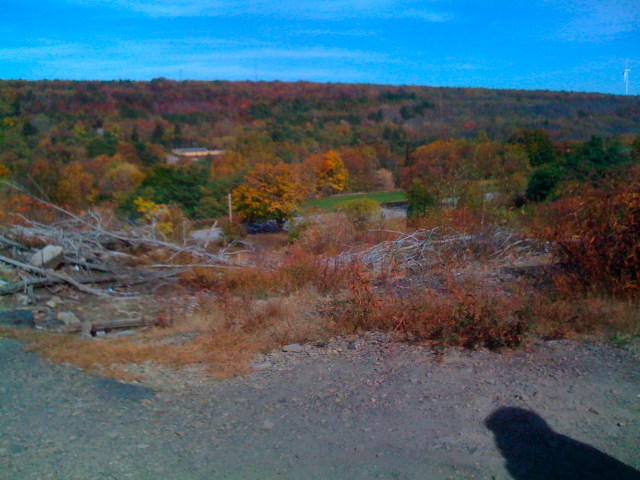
(329, 204)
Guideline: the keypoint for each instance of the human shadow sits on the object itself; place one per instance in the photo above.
(533, 451)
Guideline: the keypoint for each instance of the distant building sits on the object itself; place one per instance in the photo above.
(184, 155)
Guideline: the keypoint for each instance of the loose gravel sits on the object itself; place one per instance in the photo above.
(354, 408)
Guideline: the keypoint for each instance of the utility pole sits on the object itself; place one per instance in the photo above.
(230, 209)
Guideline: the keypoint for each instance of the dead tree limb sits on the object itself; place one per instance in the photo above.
(111, 324)
(54, 275)
(116, 280)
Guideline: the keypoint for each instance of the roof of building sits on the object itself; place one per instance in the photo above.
(180, 151)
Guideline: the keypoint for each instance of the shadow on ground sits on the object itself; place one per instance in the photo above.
(533, 451)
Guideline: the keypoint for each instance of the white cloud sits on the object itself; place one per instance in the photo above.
(302, 9)
(208, 59)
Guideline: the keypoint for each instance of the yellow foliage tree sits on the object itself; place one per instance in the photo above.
(120, 180)
(76, 186)
(269, 192)
(4, 171)
(331, 174)
(166, 221)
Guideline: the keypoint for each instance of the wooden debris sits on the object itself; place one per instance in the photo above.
(423, 248)
(135, 322)
(90, 246)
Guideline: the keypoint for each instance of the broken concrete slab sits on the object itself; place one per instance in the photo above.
(68, 318)
(49, 257)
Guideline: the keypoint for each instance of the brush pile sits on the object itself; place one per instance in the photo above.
(425, 248)
(97, 250)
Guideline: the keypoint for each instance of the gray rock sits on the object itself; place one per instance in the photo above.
(23, 300)
(268, 425)
(68, 318)
(53, 302)
(86, 330)
(48, 257)
(261, 365)
(293, 348)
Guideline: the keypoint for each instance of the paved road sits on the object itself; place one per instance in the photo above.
(352, 410)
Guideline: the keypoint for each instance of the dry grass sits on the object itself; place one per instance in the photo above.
(336, 233)
(602, 316)
(291, 271)
(223, 335)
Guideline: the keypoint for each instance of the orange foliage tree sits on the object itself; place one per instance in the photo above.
(227, 164)
(362, 164)
(76, 186)
(332, 176)
(437, 164)
(269, 192)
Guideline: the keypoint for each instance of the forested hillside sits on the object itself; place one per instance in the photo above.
(82, 143)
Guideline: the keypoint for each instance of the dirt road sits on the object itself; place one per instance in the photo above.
(360, 408)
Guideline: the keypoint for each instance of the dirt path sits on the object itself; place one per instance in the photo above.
(354, 409)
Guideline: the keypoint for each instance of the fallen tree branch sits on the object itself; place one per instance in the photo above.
(134, 322)
(11, 243)
(117, 279)
(54, 275)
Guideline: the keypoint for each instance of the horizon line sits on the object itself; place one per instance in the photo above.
(469, 87)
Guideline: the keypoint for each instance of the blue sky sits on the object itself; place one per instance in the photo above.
(576, 45)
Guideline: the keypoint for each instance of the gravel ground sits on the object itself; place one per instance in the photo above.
(356, 408)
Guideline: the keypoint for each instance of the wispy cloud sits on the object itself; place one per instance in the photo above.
(38, 52)
(303, 9)
(321, 32)
(210, 59)
(599, 20)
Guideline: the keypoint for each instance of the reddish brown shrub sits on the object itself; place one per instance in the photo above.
(463, 315)
(598, 235)
(298, 269)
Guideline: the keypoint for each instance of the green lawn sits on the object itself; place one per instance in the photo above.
(329, 204)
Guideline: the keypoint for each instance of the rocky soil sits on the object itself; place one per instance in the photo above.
(354, 408)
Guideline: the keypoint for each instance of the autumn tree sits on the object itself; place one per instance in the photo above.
(99, 165)
(120, 180)
(437, 164)
(128, 153)
(362, 165)
(537, 144)
(76, 186)
(43, 176)
(331, 174)
(227, 164)
(384, 180)
(486, 159)
(269, 192)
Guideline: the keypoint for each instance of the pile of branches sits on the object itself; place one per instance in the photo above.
(95, 249)
(424, 248)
